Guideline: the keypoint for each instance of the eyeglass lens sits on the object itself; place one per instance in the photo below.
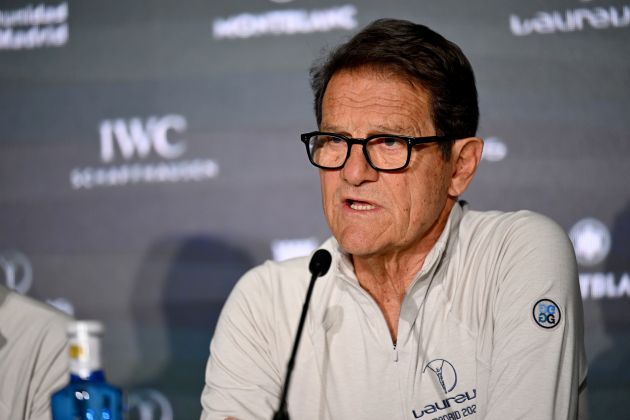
(384, 152)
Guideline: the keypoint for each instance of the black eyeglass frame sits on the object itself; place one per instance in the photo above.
(411, 141)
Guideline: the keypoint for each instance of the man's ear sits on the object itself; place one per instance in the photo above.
(466, 154)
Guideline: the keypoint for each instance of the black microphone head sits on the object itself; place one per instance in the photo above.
(320, 262)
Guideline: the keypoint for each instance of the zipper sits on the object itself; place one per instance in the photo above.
(398, 380)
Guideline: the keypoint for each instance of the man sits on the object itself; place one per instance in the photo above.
(33, 356)
(429, 310)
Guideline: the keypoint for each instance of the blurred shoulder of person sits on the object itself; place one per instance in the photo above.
(33, 356)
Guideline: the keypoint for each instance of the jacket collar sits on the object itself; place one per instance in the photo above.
(342, 263)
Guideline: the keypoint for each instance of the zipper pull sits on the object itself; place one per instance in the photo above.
(395, 353)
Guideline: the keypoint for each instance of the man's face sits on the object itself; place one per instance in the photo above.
(378, 213)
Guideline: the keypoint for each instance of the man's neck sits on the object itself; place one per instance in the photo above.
(387, 277)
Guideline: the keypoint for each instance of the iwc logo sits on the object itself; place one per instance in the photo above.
(445, 373)
(546, 313)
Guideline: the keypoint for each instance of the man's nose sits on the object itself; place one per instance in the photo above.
(357, 169)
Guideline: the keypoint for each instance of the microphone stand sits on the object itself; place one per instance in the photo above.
(318, 266)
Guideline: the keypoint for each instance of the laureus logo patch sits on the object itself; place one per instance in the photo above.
(445, 373)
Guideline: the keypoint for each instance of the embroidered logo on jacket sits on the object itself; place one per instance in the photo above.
(546, 313)
(445, 373)
(454, 407)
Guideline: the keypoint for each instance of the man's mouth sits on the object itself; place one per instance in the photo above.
(360, 205)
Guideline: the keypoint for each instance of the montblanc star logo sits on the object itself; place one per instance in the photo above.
(591, 240)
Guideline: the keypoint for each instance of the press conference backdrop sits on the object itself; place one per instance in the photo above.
(149, 156)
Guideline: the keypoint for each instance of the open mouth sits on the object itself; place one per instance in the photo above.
(360, 205)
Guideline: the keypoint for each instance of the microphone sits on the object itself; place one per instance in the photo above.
(319, 265)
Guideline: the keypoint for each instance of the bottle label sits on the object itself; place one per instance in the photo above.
(85, 354)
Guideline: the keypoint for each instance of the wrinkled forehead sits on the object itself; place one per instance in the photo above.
(378, 98)
(385, 72)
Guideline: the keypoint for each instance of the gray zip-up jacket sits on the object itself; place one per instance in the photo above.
(491, 328)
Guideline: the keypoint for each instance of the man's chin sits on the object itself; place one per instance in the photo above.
(358, 247)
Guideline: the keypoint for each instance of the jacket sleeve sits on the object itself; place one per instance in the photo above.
(242, 379)
(538, 364)
(51, 368)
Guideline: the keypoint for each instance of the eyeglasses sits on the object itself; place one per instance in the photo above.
(384, 152)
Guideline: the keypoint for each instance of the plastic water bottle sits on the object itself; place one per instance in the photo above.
(87, 396)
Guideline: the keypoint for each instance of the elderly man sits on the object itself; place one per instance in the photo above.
(429, 310)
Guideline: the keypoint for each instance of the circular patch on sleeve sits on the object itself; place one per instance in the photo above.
(546, 313)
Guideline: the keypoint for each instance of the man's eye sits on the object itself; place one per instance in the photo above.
(330, 141)
(388, 143)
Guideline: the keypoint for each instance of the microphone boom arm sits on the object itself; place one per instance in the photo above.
(318, 266)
